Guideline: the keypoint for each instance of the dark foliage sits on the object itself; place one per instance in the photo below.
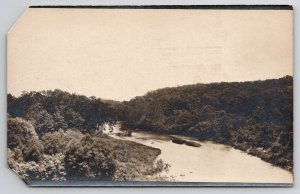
(58, 141)
(22, 138)
(54, 135)
(89, 159)
(253, 116)
(69, 154)
(49, 111)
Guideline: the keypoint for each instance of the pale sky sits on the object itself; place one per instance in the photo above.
(122, 53)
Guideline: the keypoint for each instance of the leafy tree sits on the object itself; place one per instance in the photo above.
(90, 158)
(40, 118)
(23, 139)
(58, 141)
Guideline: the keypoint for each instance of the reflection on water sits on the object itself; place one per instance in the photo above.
(210, 162)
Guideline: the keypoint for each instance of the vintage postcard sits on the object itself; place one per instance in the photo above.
(151, 96)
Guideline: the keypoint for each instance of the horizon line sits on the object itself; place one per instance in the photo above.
(97, 97)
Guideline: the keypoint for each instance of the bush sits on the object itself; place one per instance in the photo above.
(50, 168)
(57, 142)
(33, 151)
(22, 137)
(19, 132)
(90, 158)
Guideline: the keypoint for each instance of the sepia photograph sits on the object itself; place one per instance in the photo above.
(151, 96)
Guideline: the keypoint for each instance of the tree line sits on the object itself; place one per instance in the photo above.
(254, 116)
(52, 110)
(57, 136)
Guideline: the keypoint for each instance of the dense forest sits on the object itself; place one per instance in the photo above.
(254, 116)
(58, 136)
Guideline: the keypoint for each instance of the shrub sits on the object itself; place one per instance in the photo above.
(19, 132)
(57, 142)
(90, 158)
(50, 168)
(22, 137)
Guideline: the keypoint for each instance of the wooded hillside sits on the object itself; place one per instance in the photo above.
(256, 117)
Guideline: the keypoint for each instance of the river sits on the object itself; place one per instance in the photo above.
(211, 162)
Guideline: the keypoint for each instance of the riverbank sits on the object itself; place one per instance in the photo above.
(135, 162)
(269, 155)
(265, 155)
(254, 116)
(211, 162)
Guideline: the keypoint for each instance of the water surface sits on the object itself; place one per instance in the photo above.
(211, 162)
